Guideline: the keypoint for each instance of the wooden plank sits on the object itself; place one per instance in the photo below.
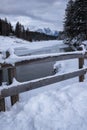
(2, 100)
(2, 104)
(14, 99)
(50, 58)
(44, 59)
(40, 83)
(1, 77)
(11, 75)
(81, 63)
(85, 55)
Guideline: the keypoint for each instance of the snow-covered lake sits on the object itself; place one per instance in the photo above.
(38, 72)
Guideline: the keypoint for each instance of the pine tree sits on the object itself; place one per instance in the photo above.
(68, 22)
(0, 27)
(80, 18)
(5, 28)
(18, 29)
(76, 19)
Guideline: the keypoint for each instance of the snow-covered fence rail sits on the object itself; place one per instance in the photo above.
(17, 61)
(11, 62)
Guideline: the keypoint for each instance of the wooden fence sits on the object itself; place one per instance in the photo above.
(14, 90)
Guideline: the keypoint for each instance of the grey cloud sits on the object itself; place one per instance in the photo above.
(25, 6)
(43, 10)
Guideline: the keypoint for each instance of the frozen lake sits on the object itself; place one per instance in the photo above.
(30, 72)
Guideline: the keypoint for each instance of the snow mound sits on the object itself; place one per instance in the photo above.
(63, 109)
(65, 66)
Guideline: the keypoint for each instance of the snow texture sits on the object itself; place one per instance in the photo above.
(15, 43)
(63, 109)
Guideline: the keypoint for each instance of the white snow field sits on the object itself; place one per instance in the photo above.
(60, 106)
(15, 43)
(60, 109)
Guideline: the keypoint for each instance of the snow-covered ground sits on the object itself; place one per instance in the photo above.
(60, 106)
(21, 45)
(60, 109)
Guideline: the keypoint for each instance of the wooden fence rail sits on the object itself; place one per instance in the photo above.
(26, 86)
(43, 58)
(14, 90)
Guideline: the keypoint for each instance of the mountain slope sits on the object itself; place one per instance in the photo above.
(48, 31)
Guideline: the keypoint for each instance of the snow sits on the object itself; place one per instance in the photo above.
(63, 109)
(22, 47)
(60, 66)
(15, 43)
(60, 106)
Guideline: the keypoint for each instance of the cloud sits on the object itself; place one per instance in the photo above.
(44, 11)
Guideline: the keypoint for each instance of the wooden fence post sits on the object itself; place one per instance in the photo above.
(2, 100)
(11, 75)
(81, 63)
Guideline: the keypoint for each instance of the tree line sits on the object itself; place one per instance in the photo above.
(75, 22)
(6, 29)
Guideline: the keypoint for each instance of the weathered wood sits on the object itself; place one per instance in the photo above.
(2, 100)
(43, 59)
(81, 63)
(1, 77)
(50, 59)
(2, 104)
(14, 99)
(12, 74)
(40, 83)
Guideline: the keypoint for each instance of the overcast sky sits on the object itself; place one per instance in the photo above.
(37, 13)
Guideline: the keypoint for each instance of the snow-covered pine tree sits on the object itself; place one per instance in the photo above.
(76, 19)
(80, 18)
(68, 21)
